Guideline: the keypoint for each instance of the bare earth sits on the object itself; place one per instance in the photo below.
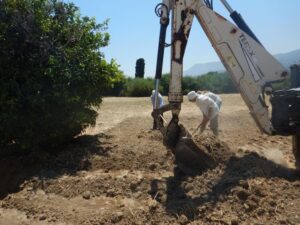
(119, 172)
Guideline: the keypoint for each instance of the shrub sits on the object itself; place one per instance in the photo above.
(138, 87)
(164, 83)
(52, 72)
(212, 81)
(117, 79)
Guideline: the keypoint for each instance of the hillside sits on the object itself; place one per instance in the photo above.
(286, 59)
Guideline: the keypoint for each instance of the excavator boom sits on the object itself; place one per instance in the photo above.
(252, 68)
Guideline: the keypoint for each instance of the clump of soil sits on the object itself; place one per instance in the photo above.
(197, 154)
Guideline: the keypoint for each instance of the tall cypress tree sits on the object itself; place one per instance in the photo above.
(140, 68)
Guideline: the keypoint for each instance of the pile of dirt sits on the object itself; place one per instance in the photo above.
(129, 177)
(200, 153)
(245, 189)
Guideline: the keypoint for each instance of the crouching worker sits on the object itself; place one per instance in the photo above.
(217, 99)
(160, 103)
(209, 109)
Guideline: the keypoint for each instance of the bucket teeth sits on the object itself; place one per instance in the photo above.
(188, 156)
(172, 134)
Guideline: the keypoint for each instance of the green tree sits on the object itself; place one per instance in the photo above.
(117, 79)
(212, 81)
(138, 87)
(140, 68)
(52, 72)
(164, 83)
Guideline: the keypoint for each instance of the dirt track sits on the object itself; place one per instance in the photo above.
(120, 172)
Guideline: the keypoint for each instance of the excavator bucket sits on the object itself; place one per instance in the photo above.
(190, 158)
(172, 133)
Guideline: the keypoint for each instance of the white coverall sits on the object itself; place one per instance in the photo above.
(217, 99)
(160, 103)
(211, 110)
(160, 100)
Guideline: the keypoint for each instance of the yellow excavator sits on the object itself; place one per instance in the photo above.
(252, 69)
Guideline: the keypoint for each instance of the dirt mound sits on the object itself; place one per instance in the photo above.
(215, 147)
(200, 153)
(129, 177)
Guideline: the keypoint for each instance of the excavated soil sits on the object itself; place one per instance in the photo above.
(121, 173)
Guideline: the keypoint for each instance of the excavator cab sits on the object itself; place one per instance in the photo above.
(286, 111)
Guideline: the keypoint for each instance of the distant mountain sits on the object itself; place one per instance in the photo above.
(203, 68)
(286, 59)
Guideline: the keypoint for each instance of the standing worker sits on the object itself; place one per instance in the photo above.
(160, 103)
(209, 109)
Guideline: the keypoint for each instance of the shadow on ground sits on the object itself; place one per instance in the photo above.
(214, 185)
(16, 168)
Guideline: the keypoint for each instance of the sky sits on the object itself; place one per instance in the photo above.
(134, 30)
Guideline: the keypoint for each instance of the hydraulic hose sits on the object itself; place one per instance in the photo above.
(164, 22)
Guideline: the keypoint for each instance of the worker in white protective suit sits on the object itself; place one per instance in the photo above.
(160, 103)
(217, 99)
(209, 109)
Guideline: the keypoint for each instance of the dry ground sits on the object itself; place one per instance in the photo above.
(119, 172)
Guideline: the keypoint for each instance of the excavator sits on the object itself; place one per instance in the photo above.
(253, 70)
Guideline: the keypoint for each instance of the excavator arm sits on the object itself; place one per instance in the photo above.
(251, 67)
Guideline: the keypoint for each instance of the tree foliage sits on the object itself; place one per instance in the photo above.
(117, 79)
(140, 68)
(138, 87)
(213, 81)
(52, 72)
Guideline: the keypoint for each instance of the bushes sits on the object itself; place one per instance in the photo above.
(138, 87)
(117, 79)
(52, 72)
(213, 81)
(216, 82)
